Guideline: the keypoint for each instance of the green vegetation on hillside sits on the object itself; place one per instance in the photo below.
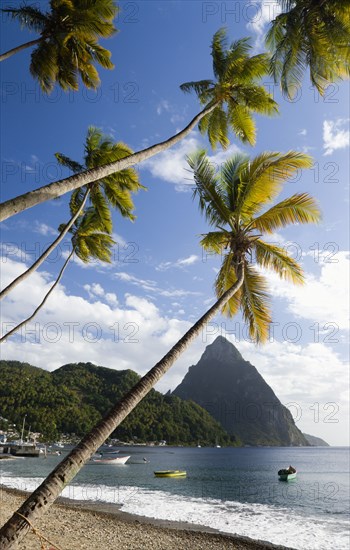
(74, 397)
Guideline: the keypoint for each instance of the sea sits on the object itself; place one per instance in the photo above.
(232, 490)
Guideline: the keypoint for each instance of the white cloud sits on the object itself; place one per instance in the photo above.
(223, 155)
(189, 261)
(136, 335)
(181, 263)
(176, 118)
(151, 286)
(303, 132)
(323, 298)
(94, 290)
(260, 16)
(44, 229)
(111, 298)
(336, 135)
(162, 106)
(171, 165)
(70, 328)
(119, 239)
(312, 380)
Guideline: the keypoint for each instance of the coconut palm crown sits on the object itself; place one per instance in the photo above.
(310, 34)
(68, 44)
(232, 201)
(114, 190)
(89, 239)
(236, 91)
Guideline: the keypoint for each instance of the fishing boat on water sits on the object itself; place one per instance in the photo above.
(287, 473)
(170, 473)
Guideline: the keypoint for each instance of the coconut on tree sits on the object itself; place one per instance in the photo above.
(67, 47)
(232, 201)
(314, 35)
(105, 195)
(229, 102)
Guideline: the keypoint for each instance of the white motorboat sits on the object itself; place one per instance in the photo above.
(116, 460)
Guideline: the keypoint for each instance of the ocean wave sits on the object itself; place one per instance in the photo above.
(276, 524)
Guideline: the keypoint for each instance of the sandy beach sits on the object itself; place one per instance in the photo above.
(85, 526)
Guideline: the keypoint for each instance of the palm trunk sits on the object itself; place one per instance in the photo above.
(47, 252)
(5, 55)
(15, 329)
(42, 498)
(47, 192)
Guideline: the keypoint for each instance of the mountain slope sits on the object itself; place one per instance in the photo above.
(316, 441)
(72, 398)
(233, 392)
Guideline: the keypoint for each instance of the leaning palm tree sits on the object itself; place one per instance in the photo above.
(113, 191)
(230, 199)
(310, 34)
(231, 99)
(67, 46)
(89, 241)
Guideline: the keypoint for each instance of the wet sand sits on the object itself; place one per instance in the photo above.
(79, 525)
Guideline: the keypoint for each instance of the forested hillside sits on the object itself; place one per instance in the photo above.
(72, 398)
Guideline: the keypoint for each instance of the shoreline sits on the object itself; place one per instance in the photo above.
(86, 524)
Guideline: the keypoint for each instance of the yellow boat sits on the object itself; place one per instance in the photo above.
(170, 473)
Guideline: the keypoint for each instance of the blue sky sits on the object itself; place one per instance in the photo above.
(128, 314)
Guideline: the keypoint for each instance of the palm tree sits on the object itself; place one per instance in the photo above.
(235, 93)
(236, 87)
(234, 199)
(114, 191)
(310, 34)
(110, 191)
(232, 202)
(88, 241)
(68, 43)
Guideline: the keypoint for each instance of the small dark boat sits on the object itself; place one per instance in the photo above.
(287, 473)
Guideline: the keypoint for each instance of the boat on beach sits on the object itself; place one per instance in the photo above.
(287, 473)
(170, 473)
(116, 460)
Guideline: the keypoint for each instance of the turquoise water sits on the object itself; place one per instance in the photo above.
(235, 490)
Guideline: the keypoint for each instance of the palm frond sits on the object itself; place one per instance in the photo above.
(217, 128)
(74, 166)
(198, 87)
(121, 200)
(101, 207)
(218, 51)
(263, 177)
(274, 257)
(216, 242)
(241, 122)
(76, 199)
(224, 280)
(29, 17)
(210, 202)
(256, 99)
(68, 46)
(299, 208)
(98, 246)
(310, 34)
(255, 304)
